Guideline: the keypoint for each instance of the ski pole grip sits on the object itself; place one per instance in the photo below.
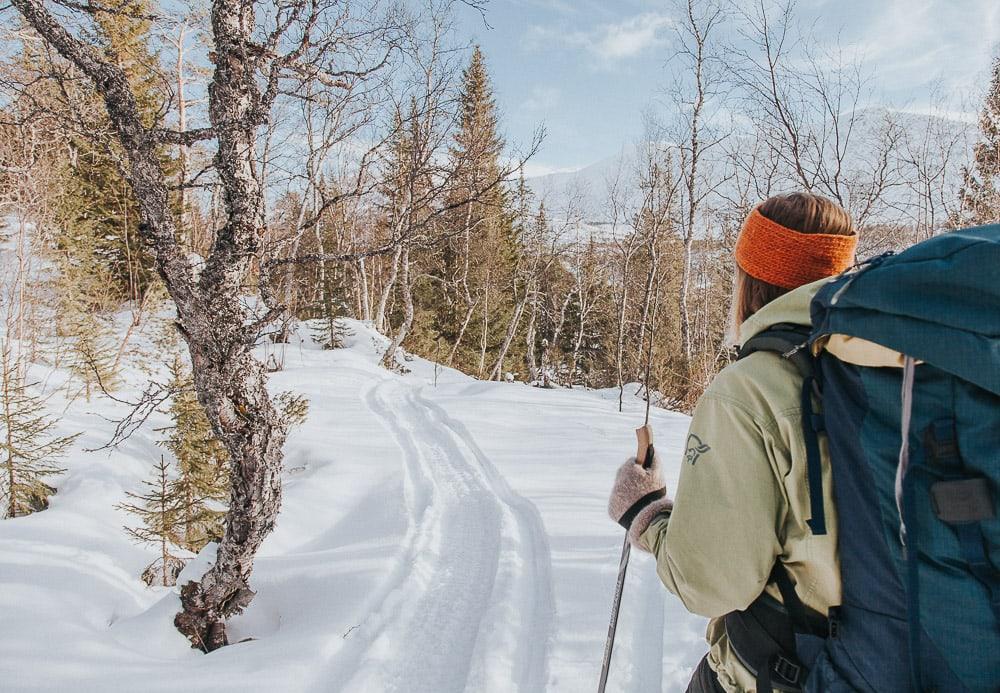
(644, 451)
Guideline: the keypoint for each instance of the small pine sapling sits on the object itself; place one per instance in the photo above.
(160, 510)
(330, 333)
(294, 408)
(202, 483)
(27, 445)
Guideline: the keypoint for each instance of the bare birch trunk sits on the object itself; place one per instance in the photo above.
(515, 321)
(230, 383)
(576, 353)
(366, 301)
(683, 299)
(389, 358)
(530, 336)
(486, 327)
(620, 341)
(390, 284)
(470, 303)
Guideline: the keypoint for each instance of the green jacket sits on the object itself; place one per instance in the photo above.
(743, 500)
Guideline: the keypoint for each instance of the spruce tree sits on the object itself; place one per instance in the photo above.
(83, 287)
(28, 446)
(109, 201)
(202, 484)
(480, 261)
(981, 189)
(160, 510)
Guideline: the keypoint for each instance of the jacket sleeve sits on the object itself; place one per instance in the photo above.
(717, 547)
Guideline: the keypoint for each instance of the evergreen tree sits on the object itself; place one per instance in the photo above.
(84, 296)
(161, 512)
(28, 447)
(478, 145)
(481, 260)
(201, 488)
(981, 189)
(99, 191)
(94, 195)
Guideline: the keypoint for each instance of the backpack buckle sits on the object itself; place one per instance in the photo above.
(833, 623)
(787, 669)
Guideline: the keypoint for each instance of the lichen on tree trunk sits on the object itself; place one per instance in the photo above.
(219, 331)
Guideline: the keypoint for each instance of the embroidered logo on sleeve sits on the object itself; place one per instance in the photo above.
(695, 449)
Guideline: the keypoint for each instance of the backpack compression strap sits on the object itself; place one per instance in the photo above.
(790, 341)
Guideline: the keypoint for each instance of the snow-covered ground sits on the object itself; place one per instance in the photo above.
(437, 534)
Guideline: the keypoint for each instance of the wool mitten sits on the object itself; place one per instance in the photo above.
(638, 496)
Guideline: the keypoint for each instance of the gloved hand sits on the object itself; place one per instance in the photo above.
(637, 497)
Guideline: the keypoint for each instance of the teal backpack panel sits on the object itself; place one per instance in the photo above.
(938, 301)
(920, 611)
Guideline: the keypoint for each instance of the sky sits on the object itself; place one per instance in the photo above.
(588, 69)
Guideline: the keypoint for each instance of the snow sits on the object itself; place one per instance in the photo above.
(433, 537)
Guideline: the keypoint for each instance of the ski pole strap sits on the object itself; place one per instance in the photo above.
(637, 507)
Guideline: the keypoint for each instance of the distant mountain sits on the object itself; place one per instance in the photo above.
(589, 184)
(586, 189)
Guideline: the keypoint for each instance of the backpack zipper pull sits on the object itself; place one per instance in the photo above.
(861, 268)
(795, 349)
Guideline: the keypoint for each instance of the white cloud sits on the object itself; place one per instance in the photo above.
(542, 99)
(632, 36)
(910, 44)
(611, 41)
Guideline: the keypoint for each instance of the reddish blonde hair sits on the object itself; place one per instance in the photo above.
(800, 211)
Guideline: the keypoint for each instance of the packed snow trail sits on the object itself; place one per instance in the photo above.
(523, 591)
(471, 606)
(437, 533)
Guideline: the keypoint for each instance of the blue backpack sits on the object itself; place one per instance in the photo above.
(905, 385)
(915, 452)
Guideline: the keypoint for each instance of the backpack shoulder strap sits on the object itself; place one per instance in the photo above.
(788, 341)
(762, 637)
(791, 342)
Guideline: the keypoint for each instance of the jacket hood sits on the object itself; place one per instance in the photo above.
(792, 307)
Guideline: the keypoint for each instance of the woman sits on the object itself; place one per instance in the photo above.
(735, 536)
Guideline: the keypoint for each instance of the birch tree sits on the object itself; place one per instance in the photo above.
(259, 52)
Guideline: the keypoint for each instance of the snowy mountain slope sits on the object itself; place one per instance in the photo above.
(928, 135)
(437, 534)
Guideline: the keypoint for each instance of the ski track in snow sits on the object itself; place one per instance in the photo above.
(469, 604)
(411, 554)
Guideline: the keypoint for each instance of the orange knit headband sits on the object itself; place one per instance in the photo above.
(773, 253)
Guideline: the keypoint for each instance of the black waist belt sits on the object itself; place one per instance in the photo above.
(763, 636)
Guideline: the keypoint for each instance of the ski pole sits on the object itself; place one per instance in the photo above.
(644, 435)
